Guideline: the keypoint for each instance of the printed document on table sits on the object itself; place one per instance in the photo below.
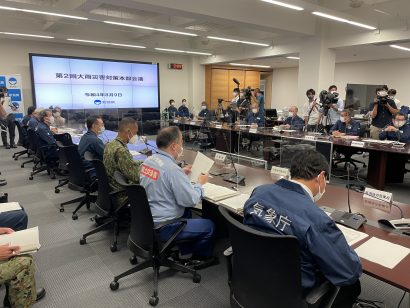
(202, 164)
(382, 252)
(352, 236)
(235, 203)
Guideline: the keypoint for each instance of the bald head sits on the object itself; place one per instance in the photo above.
(293, 110)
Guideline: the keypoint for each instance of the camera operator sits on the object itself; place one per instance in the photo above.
(392, 95)
(261, 100)
(345, 126)
(235, 98)
(311, 112)
(334, 110)
(400, 130)
(8, 122)
(381, 109)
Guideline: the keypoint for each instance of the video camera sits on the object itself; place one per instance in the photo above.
(382, 97)
(247, 93)
(327, 99)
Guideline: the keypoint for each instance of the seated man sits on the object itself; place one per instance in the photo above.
(45, 136)
(28, 116)
(58, 119)
(254, 117)
(293, 121)
(90, 142)
(172, 110)
(117, 157)
(34, 120)
(345, 126)
(205, 113)
(400, 130)
(171, 194)
(183, 110)
(288, 208)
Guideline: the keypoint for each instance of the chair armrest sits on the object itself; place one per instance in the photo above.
(89, 169)
(228, 253)
(47, 146)
(169, 222)
(179, 229)
(325, 289)
(113, 193)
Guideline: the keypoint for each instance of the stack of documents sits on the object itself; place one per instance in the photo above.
(28, 240)
(9, 206)
(236, 203)
(216, 193)
(352, 236)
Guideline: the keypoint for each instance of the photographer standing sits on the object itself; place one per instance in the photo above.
(382, 108)
(334, 110)
(7, 123)
(311, 112)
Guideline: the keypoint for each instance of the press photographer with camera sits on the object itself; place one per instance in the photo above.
(8, 122)
(381, 110)
(332, 106)
(311, 111)
(261, 100)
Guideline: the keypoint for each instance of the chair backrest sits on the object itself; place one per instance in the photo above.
(265, 267)
(64, 138)
(104, 200)
(77, 175)
(362, 129)
(142, 237)
(23, 138)
(32, 139)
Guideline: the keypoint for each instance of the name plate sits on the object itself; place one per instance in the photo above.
(192, 123)
(378, 195)
(280, 172)
(357, 144)
(253, 130)
(176, 121)
(309, 137)
(218, 126)
(220, 157)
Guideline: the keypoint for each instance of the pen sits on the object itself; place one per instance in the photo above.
(406, 233)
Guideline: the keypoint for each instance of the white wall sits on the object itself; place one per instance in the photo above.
(395, 73)
(187, 83)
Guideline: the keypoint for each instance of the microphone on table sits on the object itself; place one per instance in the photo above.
(348, 219)
(147, 151)
(232, 177)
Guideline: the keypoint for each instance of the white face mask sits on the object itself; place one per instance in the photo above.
(102, 130)
(133, 139)
(320, 194)
(51, 120)
(183, 103)
(382, 93)
(398, 124)
(331, 92)
(391, 96)
(291, 114)
(342, 119)
(203, 107)
(172, 104)
(57, 114)
(180, 153)
(254, 110)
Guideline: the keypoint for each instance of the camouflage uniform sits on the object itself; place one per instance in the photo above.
(18, 275)
(118, 158)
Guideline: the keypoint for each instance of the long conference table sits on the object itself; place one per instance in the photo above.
(335, 197)
(386, 162)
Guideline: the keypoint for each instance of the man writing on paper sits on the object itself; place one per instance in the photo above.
(288, 208)
(17, 273)
(171, 194)
(345, 126)
(400, 131)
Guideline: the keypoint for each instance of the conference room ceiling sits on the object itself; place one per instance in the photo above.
(243, 20)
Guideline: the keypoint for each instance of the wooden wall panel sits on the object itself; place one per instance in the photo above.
(208, 82)
(252, 79)
(268, 91)
(219, 86)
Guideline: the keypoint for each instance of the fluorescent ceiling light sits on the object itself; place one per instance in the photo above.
(30, 35)
(400, 47)
(42, 12)
(184, 51)
(293, 58)
(87, 41)
(358, 24)
(148, 28)
(289, 6)
(249, 65)
(237, 41)
(126, 45)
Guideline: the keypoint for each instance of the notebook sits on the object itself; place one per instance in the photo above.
(216, 193)
(28, 240)
(235, 203)
(9, 206)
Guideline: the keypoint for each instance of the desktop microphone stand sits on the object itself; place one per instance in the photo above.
(234, 177)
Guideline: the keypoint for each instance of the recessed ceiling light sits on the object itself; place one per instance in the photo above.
(29, 35)
(88, 41)
(400, 47)
(171, 50)
(126, 45)
(287, 5)
(42, 12)
(199, 53)
(148, 28)
(358, 24)
(293, 58)
(249, 65)
(185, 51)
(237, 41)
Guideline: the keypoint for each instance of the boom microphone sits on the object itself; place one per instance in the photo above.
(236, 81)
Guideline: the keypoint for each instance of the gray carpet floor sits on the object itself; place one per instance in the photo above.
(79, 276)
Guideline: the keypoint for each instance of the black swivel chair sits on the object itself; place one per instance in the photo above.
(62, 140)
(144, 241)
(23, 138)
(264, 270)
(108, 212)
(42, 161)
(32, 147)
(348, 152)
(79, 180)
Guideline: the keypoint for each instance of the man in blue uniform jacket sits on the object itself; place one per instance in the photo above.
(400, 130)
(293, 121)
(34, 120)
(183, 110)
(255, 117)
(345, 125)
(45, 136)
(172, 110)
(288, 208)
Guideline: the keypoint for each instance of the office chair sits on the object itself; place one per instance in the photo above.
(79, 180)
(348, 152)
(107, 211)
(23, 138)
(41, 159)
(32, 147)
(264, 270)
(144, 240)
(62, 140)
